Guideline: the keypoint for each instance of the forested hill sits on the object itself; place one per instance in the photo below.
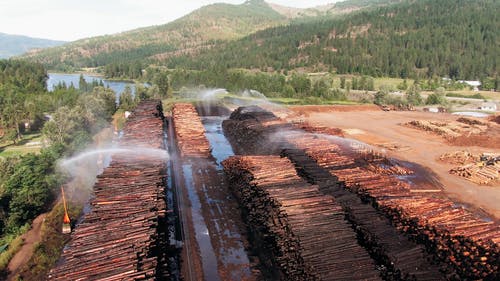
(198, 29)
(457, 38)
(204, 28)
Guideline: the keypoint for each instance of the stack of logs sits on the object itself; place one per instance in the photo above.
(463, 241)
(299, 232)
(255, 130)
(317, 129)
(189, 131)
(123, 236)
(397, 256)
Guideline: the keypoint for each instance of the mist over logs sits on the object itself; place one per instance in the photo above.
(463, 244)
(124, 235)
(300, 233)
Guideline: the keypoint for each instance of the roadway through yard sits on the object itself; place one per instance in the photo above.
(212, 233)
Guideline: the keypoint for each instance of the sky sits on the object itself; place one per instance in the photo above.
(70, 20)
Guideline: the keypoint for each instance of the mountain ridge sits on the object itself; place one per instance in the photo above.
(13, 45)
(454, 38)
(203, 28)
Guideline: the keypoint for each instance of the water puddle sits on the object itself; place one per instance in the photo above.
(221, 148)
(232, 251)
(209, 261)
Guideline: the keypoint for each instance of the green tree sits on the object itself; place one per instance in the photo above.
(162, 81)
(381, 96)
(413, 95)
(127, 100)
(403, 85)
(342, 82)
(300, 83)
(64, 122)
(438, 97)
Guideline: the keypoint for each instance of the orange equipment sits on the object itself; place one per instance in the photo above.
(66, 226)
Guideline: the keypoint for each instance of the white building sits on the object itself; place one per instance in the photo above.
(473, 84)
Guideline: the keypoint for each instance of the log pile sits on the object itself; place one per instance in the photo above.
(316, 129)
(436, 217)
(484, 169)
(453, 129)
(435, 127)
(483, 175)
(300, 232)
(190, 133)
(397, 256)
(462, 241)
(459, 158)
(124, 236)
(253, 130)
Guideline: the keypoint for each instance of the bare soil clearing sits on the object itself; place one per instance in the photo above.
(31, 238)
(384, 131)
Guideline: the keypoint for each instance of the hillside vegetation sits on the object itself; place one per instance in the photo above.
(201, 28)
(205, 28)
(455, 38)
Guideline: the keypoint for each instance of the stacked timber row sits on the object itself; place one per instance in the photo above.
(123, 236)
(189, 130)
(465, 243)
(253, 130)
(399, 258)
(457, 237)
(299, 232)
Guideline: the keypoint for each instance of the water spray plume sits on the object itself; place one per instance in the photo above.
(82, 169)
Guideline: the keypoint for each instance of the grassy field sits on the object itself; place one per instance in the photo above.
(31, 143)
(487, 94)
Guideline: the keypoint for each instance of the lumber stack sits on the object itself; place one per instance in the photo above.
(398, 199)
(190, 133)
(398, 257)
(317, 129)
(484, 169)
(123, 236)
(464, 243)
(300, 232)
(436, 217)
(253, 130)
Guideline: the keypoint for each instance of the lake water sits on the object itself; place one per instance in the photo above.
(57, 78)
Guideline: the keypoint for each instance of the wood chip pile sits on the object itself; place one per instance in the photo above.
(189, 130)
(123, 236)
(298, 231)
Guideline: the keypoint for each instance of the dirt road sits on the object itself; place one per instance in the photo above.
(382, 129)
(31, 238)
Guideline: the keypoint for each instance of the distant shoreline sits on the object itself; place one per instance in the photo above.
(93, 74)
(79, 72)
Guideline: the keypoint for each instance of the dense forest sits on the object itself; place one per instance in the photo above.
(67, 118)
(455, 38)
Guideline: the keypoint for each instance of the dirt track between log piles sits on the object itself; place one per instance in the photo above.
(383, 129)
